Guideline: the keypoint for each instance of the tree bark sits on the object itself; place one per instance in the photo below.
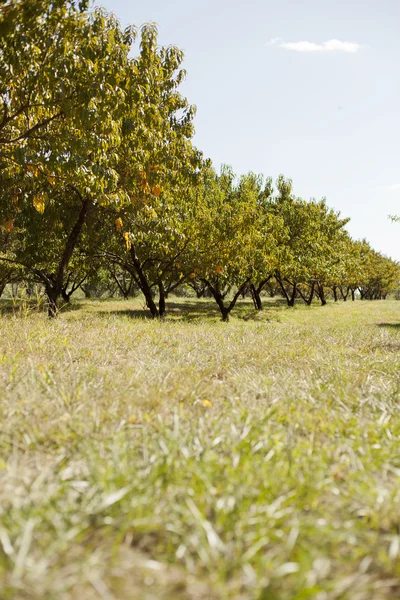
(144, 284)
(308, 300)
(54, 287)
(255, 294)
(219, 299)
(311, 296)
(321, 294)
(292, 298)
(161, 301)
(223, 309)
(124, 288)
(52, 306)
(65, 296)
(289, 299)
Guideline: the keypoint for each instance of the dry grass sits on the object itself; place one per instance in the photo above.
(193, 459)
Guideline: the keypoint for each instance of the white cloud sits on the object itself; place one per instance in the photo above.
(394, 187)
(304, 46)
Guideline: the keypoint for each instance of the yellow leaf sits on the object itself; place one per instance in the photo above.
(9, 225)
(156, 189)
(118, 224)
(32, 169)
(127, 240)
(206, 403)
(51, 179)
(132, 420)
(146, 188)
(38, 203)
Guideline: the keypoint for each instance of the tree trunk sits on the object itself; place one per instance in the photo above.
(52, 298)
(123, 287)
(255, 294)
(161, 301)
(292, 298)
(334, 290)
(54, 288)
(65, 296)
(144, 284)
(219, 298)
(289, 300)
(353, 296)
(321, 294)
(308, 300)
(311, 296)
(221, 305)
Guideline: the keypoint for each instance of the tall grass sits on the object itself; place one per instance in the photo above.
(194, 459)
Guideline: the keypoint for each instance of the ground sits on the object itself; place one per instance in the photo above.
(194, 459)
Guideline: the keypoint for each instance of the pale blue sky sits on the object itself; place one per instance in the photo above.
(328, 117)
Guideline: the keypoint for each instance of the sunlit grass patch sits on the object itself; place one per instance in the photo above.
(195, 459)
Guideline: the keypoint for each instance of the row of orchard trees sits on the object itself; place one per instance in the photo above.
(98, 172)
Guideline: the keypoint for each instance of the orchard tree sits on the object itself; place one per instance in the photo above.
(380, 275)
(327, 251)
(62, 101)
(158, 168)
(309, 257)
(345, 278)
(235, 240)
(35, 37)
(271, 248)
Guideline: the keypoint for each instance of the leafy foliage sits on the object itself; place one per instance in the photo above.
(98, 172)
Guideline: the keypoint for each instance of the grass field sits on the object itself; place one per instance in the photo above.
(192, 459)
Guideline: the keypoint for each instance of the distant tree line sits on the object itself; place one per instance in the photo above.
(102, 188)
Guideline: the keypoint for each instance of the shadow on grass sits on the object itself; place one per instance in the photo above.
(178, 309)
(8, 307)
(186, 311)
(391, 346)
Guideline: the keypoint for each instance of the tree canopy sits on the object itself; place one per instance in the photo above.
(99, 178)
